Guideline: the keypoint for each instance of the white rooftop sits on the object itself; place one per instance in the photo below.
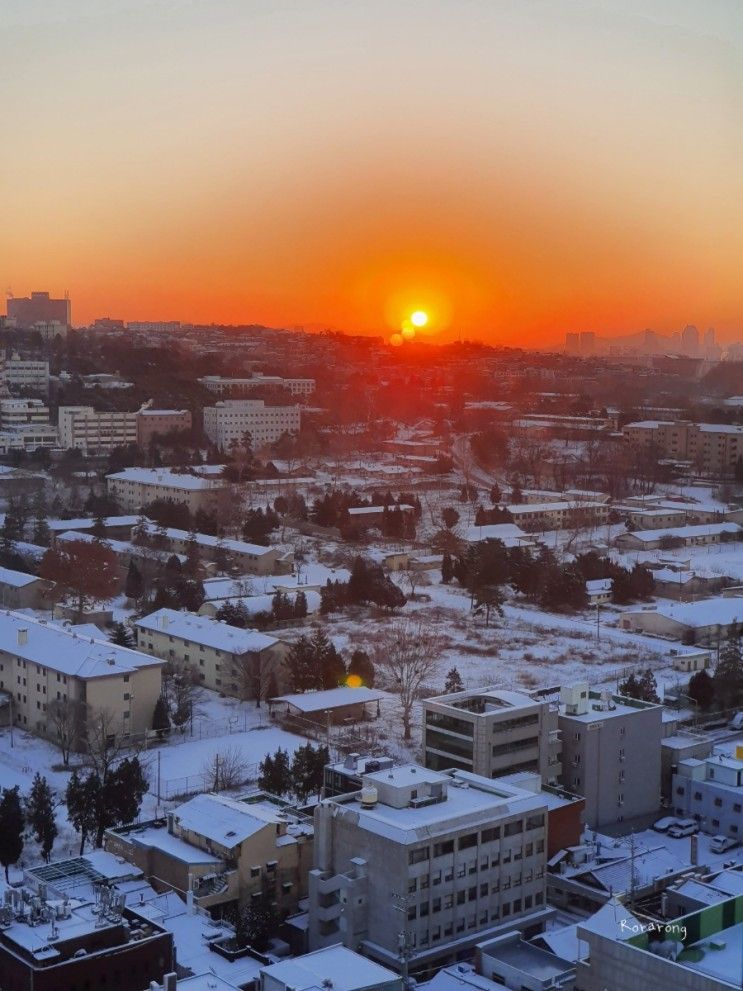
(224, 820)
(330, 699)
(686, 532)
(332, 967)
(165, 477)
(203, 630)
(705, 612)
(16, 579)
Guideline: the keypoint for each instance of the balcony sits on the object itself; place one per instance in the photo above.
(215, 888)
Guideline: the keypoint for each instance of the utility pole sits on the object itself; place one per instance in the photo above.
(405, 951)
(598, 622)
(157, 811)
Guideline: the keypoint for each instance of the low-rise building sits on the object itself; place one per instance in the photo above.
(610, 754)
(492, 732)
(226, 386)
(90, 431)
(41, 663)
(19, 590)
(683, 536)
(23, 413)
(223, 851)
(26, 375)
(229, 554)
(710, 790)
(448, 859)
(558, 515)
(134, 488)
(227, 659)
(228, 422)
(334, 967)
(705, 622)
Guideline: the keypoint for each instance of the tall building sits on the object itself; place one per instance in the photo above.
(230, 420)
(448, 859)
(611, 751)
(572, 343)
(492, 732)
(39, 307)
(690, 340)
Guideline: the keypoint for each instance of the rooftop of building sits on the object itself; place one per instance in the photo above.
(485, 701)
(164, 477)
(685, 532)
(16, 579)
(66, 651)
(209, 540)
(331, 698)
(230, 821)
(331, 967)
(706, 612)
(203, 630)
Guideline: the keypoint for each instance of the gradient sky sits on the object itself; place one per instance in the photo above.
(519, 168)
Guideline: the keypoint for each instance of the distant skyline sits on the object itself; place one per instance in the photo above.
(517, 169)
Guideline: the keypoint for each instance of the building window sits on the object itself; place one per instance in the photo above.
(418, 856)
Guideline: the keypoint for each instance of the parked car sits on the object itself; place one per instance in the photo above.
(683, 827)
(664, 824)
(719, 844)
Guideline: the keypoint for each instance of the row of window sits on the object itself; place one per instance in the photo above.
(446, 847)
(475, 920)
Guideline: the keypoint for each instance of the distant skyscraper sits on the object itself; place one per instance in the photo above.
(587, 342)
(572, 343)
(690, 340)
(39, 308)
(709, 337)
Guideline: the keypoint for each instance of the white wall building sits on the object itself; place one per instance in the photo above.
(229, 420)
(94, 432)
(222, 385)
(21, 373)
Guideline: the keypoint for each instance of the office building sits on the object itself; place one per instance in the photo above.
(713, 448)
(133, 488)
(226, 386)
(152, 423)
(26, 375)
(492, 732)
(446, 859)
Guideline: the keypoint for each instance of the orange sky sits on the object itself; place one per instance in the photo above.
(519, 168)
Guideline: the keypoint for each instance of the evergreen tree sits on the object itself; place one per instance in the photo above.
(121, 635)
(134, 584)
(361, 666)
(495, 494)
(728, 677)
(82, 798)
(274, 773)
(256, 922)
(702, 689)
(453, 683)
(447, 568)
(11, 829)
(40, 815)
(629, 687)
(300, 605)
(302, 672)
(161, 717)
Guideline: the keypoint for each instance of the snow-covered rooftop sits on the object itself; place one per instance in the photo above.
(331, 967)
(209, 540)
(162, 476)
(66, 651)
(705, 612)
(331, 699)
(203, 630)
(16, 579)
(225, 820)
(686, 532)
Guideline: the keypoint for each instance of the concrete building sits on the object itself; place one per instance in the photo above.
(224, 851)
(23, 413)
(226, 386)
(492, 732)
(710, 790)
(28, 438)
(133, 488)
(711, 447)
(92, 432)
(26, 375)
(153, 422)
(706, 622)
(231, 555)
(610, 754)
(39, 307)
(450, 859)
(41, 663)
(227, 659)
(228, 422)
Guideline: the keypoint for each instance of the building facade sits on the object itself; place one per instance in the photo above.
(39, 307)
(153, 422)
(711, 791)
(710, 447)
(225, 386)
(230, 420)
(94, 432)
(448, 859)
(133, 488)
(491, 733)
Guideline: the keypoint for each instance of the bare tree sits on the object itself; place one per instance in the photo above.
(407, 652)
(181, 690)
(226, 769)
(105, 741)
(253, 674)
(67, 718)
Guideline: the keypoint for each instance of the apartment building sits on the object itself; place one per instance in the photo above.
(158, 422)
(224, 851)
(26, 374)
(226, 386)
(447, 859)
(710, 447)
(28, 438)
(93, 432)
(230, 420)
(710, 790)
(40, 663)
(611, 754)
(237, 555)
(133, 488)
(492, 732)
(227, 659)
(558, 515)
(39, 307)
(706, 622)
(19, 590)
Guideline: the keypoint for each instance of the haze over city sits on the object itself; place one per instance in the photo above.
(516, 170)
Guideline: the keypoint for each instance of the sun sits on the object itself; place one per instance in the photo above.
(419, 318)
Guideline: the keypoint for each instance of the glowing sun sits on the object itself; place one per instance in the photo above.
(419, 318)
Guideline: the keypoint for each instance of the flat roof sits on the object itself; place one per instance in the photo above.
(333, 966)
(332, 698)
(203, 630)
